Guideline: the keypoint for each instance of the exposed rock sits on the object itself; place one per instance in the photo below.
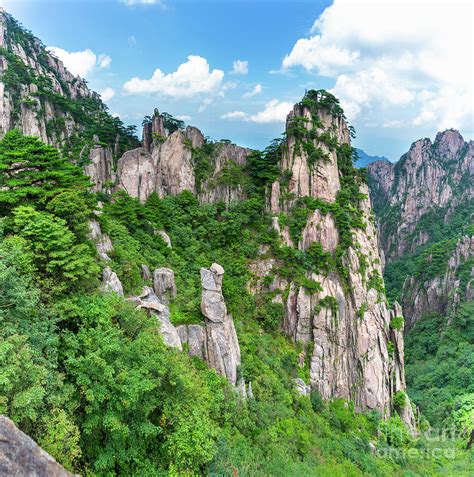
(21, 456)
(347, 321)
(228, 158)
(136, 173)
(164, 284)
(100, 168)
(146, 275)
(443, 292)
(111, 282)
(165, 237)
(223, 351)
(195, 337)
(413, 199)
(149, 301)
(102, 241)
(302, 388)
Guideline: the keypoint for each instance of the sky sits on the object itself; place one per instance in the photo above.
(403, 69)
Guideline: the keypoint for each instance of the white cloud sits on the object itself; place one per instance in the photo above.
(191, 79)
(256, 90)
(205, 103)
(107, 94)
(240, 67)
(406, 58)
(275, 111)
(235, 115)
(81, 63)
(393, 123)
(184, 117)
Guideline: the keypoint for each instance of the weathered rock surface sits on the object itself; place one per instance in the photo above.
(100, 168)
(222, 345)
(429, 177)
(347, 323)
(20, 456)
(164, 284)
(415, 198)
(102, 241)
(111, 282)
(149, 301)
(195, 337)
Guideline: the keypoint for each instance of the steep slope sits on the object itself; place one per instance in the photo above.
(338, 308)
(39, 96)
(425, 205)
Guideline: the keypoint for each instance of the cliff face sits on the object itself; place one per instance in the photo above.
(173, 161)
(341, 316)
(424, 205)
(431, 176)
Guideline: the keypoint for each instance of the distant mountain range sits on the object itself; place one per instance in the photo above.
(364, 159)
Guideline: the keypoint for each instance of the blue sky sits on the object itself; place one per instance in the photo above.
(235, 67)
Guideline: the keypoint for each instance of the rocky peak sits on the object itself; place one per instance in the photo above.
(448, 144)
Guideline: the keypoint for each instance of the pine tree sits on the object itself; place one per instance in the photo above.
(32, 172)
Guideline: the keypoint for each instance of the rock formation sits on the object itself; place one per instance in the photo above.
(21, 456)
(102, 241)
(222, 345)
(164, 284)
(424, 204)
(148, 301)
(345, 321)
(111, 282)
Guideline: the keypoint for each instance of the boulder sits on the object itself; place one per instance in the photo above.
(21, 456)
(111, 282)
(164, 284)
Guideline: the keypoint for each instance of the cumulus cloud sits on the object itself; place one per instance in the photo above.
(240, 67)
(408, 58)
(184, 117)
(191, 79)
(81, 63)
(256, 90)
(107, 94)
(235, 115)
(275, 111)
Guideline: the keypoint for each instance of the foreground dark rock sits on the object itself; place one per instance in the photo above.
(20, 456)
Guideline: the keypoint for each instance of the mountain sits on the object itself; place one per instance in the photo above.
(424, 205)
(42, 98)
(181, 306)
(364, 159)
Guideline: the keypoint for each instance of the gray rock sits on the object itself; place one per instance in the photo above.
(165, 237)
(222, 345)
(164, 284)
(21, 456)
(150, 302)
(146, 275)
(102, 241)
(111, 282)
(302, 388)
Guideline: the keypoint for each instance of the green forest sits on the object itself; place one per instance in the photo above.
(89, 378)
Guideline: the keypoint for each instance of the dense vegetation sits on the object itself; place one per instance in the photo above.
(89, 377)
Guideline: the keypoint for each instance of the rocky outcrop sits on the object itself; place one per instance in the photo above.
(345, 324)
(223, 184)
(21, 456)
(164, 284)
(431, 178)
(148, 301)
(102, 241)
(195, 338)
(311, 171)
(222, 345)
(416, 201)
(100, 168)
(111, 282)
